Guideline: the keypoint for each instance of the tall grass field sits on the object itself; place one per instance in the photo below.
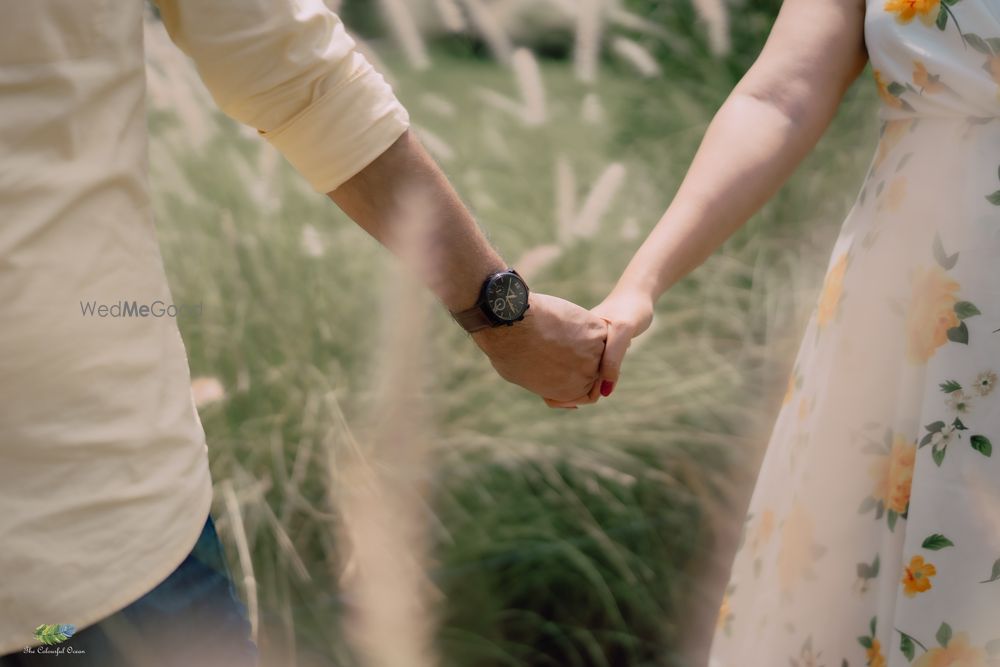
(371, 501)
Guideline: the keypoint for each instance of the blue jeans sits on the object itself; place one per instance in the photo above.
(193, 618)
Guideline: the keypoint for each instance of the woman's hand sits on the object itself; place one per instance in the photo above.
(628, 313)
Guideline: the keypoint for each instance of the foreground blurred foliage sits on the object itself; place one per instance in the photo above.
(560, 538)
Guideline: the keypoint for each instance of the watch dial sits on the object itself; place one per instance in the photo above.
(507, 297)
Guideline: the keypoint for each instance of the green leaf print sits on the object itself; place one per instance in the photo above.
(906, 646)
(959, 334)
(942, 19)
(950, 386)
(867, 504)
(944, 634)
(994, 198)
(936, 542)
(996, 572)
(937, 455)
(981, 444)
(871, 625)
(864, 570)
(978, 43)
(965, 309)
(865, 641)
(946, 261)
(892, 519)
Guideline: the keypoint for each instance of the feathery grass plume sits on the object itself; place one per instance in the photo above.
(630, 229)
(529, 83)
(437, 146)
(451, 15)
(589, 18)
(592, 110)
(404, 29)
(390, 623)
(716, 18)
(312, 243)
(495, 142)
(206, 390)
(626, 19)
(502, 103)
(490, 29)
(633, 53)
(599, 200)
(565, 199)
(534, 260)
(438, 105)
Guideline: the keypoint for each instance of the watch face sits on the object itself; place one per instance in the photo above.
(507, 297)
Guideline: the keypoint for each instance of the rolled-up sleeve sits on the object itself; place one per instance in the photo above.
(289, 69)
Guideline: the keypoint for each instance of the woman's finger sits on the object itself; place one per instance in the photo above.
(619, 339)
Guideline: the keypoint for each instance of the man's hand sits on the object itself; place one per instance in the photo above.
(554, 352)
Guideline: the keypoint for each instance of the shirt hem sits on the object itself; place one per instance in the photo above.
(117, 603)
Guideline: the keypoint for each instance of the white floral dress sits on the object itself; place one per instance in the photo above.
(873, 532)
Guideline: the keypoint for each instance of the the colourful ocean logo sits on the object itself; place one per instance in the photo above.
(54, 634)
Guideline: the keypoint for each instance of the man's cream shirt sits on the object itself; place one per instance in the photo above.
(104, 478)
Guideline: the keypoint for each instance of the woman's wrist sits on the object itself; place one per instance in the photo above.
(628, 306)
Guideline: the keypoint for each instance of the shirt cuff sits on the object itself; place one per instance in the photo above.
(343, 131)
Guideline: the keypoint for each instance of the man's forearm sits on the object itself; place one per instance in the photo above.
(384, 193)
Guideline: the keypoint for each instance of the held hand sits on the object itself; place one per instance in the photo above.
(554, 352)
(627, 314)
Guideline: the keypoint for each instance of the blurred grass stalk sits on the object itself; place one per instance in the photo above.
(381, 494)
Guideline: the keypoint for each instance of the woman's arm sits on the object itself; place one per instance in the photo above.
(768, 124)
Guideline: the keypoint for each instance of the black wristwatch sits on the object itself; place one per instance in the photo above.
(503, 299)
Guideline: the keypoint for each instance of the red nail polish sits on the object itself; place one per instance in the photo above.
(607, 387)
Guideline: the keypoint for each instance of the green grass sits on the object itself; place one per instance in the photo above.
(560, 538)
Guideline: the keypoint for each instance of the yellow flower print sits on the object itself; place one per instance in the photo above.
(927, 82)
(832, 289)
(797, 549)
(883, 92)
(874, 654)
(957, 653)
(893, 474)
(895, 193)
(803, 408)
(725, 612)
(917, 576)
(905, 10)
(994, 63)
(931, 313)
(790, 389)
